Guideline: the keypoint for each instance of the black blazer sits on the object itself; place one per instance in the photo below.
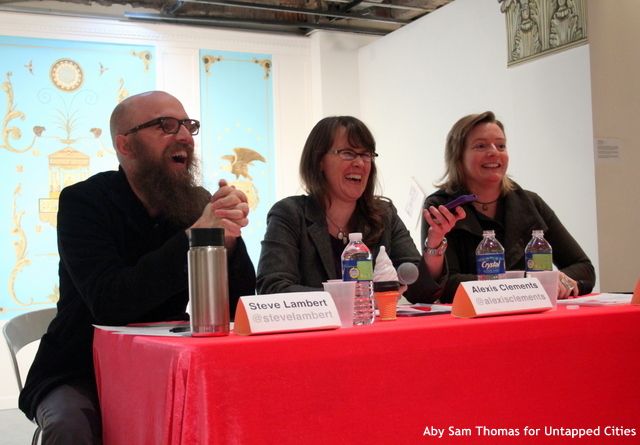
(117, 266)
(297, 255)
(524, 211)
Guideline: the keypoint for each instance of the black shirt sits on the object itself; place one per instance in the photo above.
(117, 266)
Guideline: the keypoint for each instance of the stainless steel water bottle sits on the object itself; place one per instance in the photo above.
(208, 283)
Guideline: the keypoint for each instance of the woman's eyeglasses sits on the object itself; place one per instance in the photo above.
(170, 125)
(347, 154)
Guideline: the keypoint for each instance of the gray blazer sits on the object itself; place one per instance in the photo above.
(297, 255)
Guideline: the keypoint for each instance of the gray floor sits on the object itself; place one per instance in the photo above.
(15, 428)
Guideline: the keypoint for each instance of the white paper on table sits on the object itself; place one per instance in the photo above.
(435, 308)
(605, 299)
(159, 330)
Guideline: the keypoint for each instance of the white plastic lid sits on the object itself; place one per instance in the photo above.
(355, 236)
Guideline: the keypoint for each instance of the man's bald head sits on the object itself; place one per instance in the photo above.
(136, 110)
(126, 114)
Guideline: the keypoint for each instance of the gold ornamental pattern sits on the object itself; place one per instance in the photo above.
(10, 132)
(209, 60)
(22, 259)
(66, 75)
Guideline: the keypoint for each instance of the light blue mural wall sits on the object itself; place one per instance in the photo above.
(56, 97)
(236, 103)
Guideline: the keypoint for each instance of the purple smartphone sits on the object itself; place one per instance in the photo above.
(460, 200)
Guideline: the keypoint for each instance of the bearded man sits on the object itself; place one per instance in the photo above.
(122, 239)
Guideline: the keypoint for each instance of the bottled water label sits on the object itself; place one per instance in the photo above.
(538, 261)
(357, 266)
(357, 270)
(490, 264)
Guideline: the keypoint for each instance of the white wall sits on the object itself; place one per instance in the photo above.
(615, 63)
(336, 73)
(416, 82)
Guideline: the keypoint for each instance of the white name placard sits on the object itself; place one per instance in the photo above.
(286, 312)
(495, 297)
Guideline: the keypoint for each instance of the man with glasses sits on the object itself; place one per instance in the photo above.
(122, 239)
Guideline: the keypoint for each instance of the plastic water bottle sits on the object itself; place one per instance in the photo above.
(489, 257)
(357, 265)
(538, 254)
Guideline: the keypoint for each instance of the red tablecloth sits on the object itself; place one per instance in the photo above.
(383, 384)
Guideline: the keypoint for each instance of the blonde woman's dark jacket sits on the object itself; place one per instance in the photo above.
(519, 212)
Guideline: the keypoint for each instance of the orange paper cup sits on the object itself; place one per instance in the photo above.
(387, 303)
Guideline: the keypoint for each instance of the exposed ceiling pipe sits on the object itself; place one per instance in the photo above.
(172, 9)
(349, 5)
(386, 6)
(301, 28)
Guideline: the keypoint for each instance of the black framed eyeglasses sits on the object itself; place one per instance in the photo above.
(170, 125)
(347, 154)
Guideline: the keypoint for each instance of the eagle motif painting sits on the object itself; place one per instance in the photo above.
(241, 160)
(239, 163)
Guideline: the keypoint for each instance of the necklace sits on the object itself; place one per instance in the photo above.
(340, 235)
(485, 205)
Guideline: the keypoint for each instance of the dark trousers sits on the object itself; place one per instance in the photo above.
(70, 414)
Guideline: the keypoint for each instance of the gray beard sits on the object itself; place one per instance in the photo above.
(176, 197)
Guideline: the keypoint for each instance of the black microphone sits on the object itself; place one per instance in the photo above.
(407, 273)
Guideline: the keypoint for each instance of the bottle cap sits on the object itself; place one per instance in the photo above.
(355, 236)
(206, 237)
